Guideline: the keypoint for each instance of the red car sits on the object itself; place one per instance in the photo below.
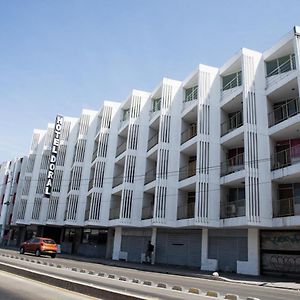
(38, 246)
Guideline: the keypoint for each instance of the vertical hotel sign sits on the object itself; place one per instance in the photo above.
(53, 155)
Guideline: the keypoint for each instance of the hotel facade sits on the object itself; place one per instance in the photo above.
(207, 169)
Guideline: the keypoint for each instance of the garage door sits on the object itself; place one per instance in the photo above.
(227, 246)
(134, 246)
(280, 253)
(179, 248)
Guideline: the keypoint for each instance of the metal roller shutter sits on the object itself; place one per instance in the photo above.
(134, 246)
(179, 248)
(228, 246)
(280, 252)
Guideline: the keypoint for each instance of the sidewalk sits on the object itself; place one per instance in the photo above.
(267, 281)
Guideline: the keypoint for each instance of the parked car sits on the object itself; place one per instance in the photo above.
(38, 246)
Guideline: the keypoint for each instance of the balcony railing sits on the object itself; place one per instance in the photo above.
(150, 176)
(232, 123)
(121, 148)
(286, 207)
(189, 133)
(114, 213)
(186, 211)
(187, 171)
(233, 164)
(286, 157)
(192, 95)
(147, 212)
(284, 112)
(118, 180)
(153, 141)
(235, 82)
(281, 71)
(232, 209)
(288, 65)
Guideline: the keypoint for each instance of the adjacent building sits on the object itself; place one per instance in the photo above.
(207, 169)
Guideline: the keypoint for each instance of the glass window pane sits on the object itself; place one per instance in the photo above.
(271, 67)
(284, 64)
(292, 107)
(241, 193)
(227, 79)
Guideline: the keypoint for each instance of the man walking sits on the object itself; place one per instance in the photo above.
(150, 249)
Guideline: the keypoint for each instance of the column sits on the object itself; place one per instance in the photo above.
(207, 264)
(117, 243)
(153, 242)
(251, 267)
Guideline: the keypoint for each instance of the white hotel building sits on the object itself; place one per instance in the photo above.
(208, 169)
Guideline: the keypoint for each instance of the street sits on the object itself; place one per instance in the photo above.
(244, 291)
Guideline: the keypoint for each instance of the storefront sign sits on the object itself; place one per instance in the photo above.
(53, 156)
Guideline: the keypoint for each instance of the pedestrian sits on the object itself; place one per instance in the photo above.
(150, 249)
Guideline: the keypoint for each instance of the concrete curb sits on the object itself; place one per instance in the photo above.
(157, 270)
(70, 285)
(82, 287)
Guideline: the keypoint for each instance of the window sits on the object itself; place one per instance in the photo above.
(281, 65)
(69, 235)
(49, 242)
(125, 114)
(94, 236)
(236, 194)
(191, 93)
(232, 80)
(156, 104)
(191, 197)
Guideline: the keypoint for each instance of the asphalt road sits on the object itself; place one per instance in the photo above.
(13, 287)
(244, 291)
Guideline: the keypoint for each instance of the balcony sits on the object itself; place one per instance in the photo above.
(279, 68)
(287, 157)
(147, 212)
(189, 133)
(232, 80)
(233, 122)
(187, 171)
(284, 111)
(286, 207)
(117, 180)
(186, 211)
(232, 209)
(153, 141)
(233, 164)
(114, 213)
(121, 148)
(150, 176)
(191, 94)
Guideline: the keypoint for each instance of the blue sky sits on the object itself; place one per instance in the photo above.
(60, 56)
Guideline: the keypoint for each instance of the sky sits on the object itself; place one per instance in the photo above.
(61, 56)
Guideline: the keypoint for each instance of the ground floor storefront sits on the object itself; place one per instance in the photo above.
(245, 251)
(92, 242)
(280, 252)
